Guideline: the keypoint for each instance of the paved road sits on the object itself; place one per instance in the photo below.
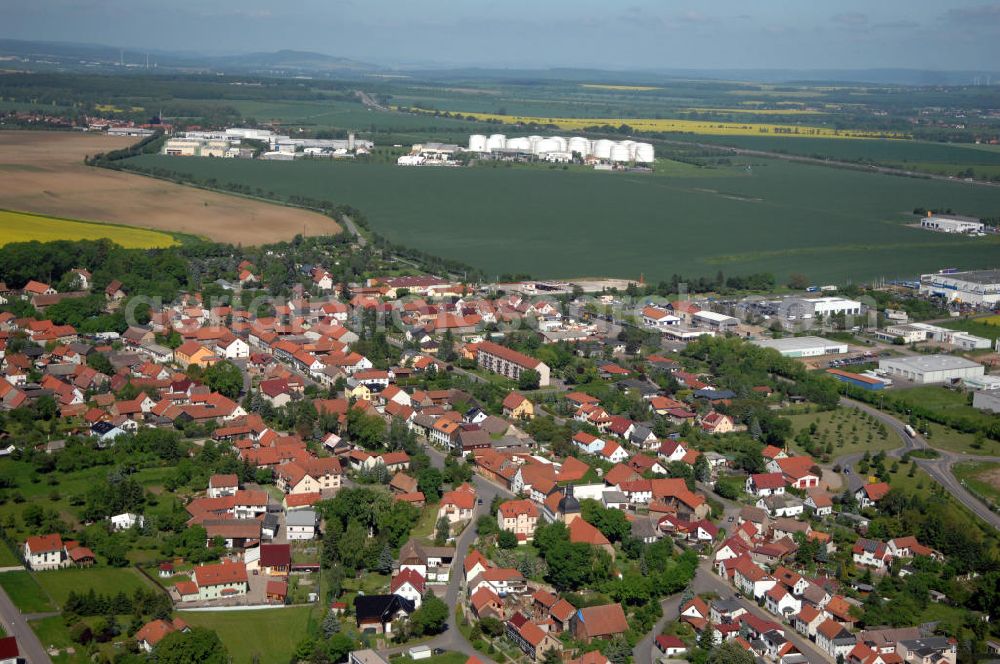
(452, 638)
(16, 625)
(352, 228)
(939, 469)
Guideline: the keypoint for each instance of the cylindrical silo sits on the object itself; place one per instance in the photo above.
(534, 143)
(561, 142)
(620, 153)
(602, 148)
(547, 145)
(579, 144)
(477, 143)
(644, 153)
(520, 143)
(496, 142)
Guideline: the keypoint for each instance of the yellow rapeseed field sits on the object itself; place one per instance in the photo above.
(22, 227)
(756, 111)
(623, 88)
(708, 127)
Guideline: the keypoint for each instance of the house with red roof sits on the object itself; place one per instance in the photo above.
(800, 472)
(766, 484)
(518, 406)
(519, 517)
(581, 532)
(670, 645)
(409, 584)
(717, 423)
(43, 552)
(599, 622)
(458, 505)
(530, 638)
(220, 581)
(153, 632)
(869, 494)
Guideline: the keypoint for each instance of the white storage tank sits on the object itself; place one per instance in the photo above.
(521, 144)
(547, 145)
(579, 144)
(534, 140)
(477, 143)
(561, 142)
(602, 148)
(496, 142)
(644, 153)
(620, 153)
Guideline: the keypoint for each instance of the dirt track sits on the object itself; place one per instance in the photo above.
(43, 172)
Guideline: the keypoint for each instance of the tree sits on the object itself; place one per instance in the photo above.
(331, 624)
(507, 540)
(199, 646)
(446, 351)
(552, 656)
(385, 560)
(529, 380)
(702, 471)
(224, 378)
(431, 617)
(730, 652)
(491, 626)
(429, 481)
(798, 281)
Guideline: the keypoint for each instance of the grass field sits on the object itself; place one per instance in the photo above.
(942, 400)
(22, 227)
(700, 127)
(270, 635)
(58, 583)
(25, 592)
(43, 173)
(846, 429)
(988, 328)
(829, 224)
(980, 476)
(7, 557)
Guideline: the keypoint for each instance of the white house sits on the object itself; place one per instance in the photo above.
(127, 520)
(45, 552)
(300, 525)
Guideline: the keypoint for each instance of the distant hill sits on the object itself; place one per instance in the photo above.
(305, 61)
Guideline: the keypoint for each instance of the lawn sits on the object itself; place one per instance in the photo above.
(269, 635)
(952, 403)
(946, 438)
(981, 477)
(445, 658)
(21, 227)
(59, 583)
(779, 217)
(846, 429)
(25, 592)
(426, 524)
(7, 557)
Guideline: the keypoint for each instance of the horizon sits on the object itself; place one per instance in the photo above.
(642, 36)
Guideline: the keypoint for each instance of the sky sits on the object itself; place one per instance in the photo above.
(611, 34)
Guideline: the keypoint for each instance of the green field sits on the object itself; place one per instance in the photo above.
(59, 583)
(980, 476)
(980, 328)
(270, 635)
(846, 429)
(22, 227)
(25, 592)
(829, 224)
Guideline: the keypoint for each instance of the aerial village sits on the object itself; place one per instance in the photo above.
(621, 499)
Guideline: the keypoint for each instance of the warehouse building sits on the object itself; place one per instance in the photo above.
(951, 223)
(715, 321)
(803, 308)
(803, 346)
(989, 401)
(925, 369)
(979, 287)
(917, 332)
(864, 381)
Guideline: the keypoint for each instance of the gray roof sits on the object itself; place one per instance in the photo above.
(300, 518)
(929, 363)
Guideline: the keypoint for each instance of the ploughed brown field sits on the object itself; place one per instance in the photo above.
(44, 173)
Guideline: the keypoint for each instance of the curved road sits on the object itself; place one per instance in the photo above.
(939, 469)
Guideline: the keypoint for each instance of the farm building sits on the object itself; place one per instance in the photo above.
(951, 223)
(980, 287)
(803, 346)
(931, 368)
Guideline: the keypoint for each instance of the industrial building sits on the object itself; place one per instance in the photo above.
(715, 321)
(227, 143)
(925, 369)
(558, 148)
(950, 223)
(801, 308)
(989, 401)
(803, 346)
(916, 332)
(864, 381)
(979, 287)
